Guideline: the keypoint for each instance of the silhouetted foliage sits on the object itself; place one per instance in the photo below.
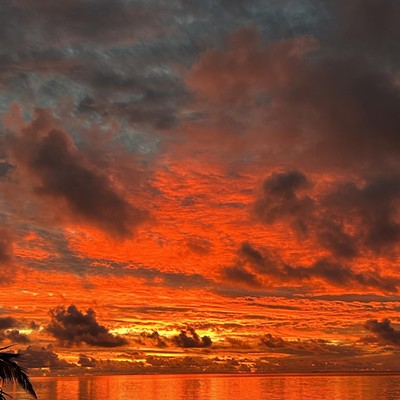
(11, 372)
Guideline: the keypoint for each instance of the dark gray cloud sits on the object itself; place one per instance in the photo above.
(5, 168)
(8, 322)
(358, 121)
(383, 332)
(9, 331)
(71, 326)
(370, 209)
(154, 338)
(369, 27)
(15, 336)
(254, 264)
(272, 342)
(188, 338)
(42, 357)
(74, 20)
(305, 347)
(100, 50)
(86, 361)
(339, 274)
(321, 105)
(240, 274)
(34, 326)
(108, 58)
(280, 199)
(62, 172)
(134, 47)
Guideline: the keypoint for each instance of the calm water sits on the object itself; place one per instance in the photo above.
(215, 387)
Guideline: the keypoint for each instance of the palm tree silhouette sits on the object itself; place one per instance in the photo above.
(11, 372)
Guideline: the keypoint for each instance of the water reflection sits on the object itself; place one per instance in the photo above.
(215, 387)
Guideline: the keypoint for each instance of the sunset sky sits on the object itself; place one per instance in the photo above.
(200, 185)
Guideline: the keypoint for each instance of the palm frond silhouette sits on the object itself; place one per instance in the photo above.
(11, 372)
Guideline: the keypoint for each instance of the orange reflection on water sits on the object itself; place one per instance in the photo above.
(216, 387)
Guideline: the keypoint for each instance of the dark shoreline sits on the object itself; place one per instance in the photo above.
(227, 375)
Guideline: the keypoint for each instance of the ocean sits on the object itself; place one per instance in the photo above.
(215, 387)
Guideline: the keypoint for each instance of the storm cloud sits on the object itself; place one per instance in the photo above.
(86, 362)
(71, 326)
(384, 332)
(188, 338)
(154, 338)
(253, 265)
(322, 104)
(348, 219)
(280, 199)
(15, 336)
(240, 274)
(42, 357)
(61, 172)
(8, 322)
(9, 331)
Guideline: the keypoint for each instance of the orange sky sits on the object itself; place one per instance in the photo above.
(186, 195)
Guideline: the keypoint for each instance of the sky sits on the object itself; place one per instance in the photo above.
(200, 186)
